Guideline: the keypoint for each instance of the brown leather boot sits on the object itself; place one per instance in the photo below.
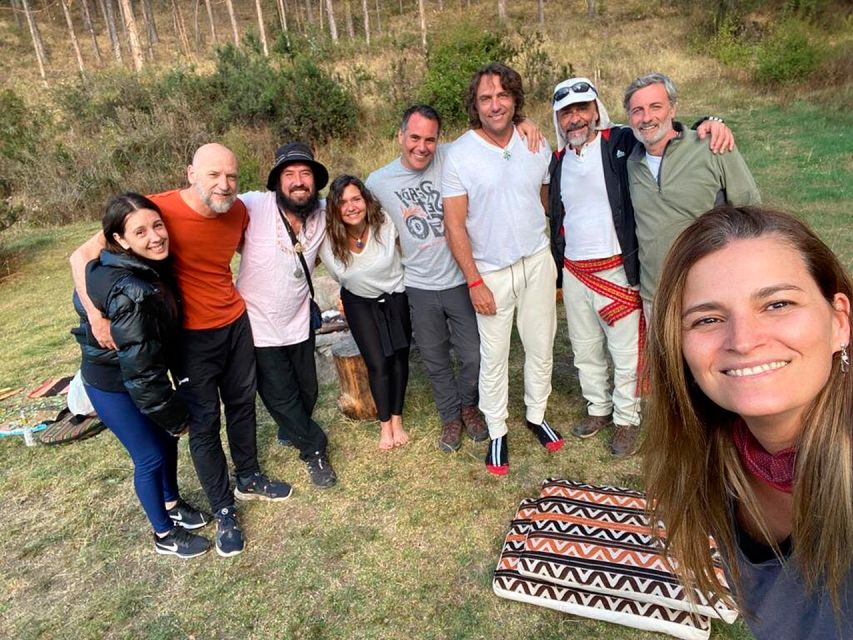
(623, 442)
(474, 423)
(589, 426)
(451, 435)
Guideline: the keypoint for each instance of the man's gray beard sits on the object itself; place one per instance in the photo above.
(301, 211)
(222, 206)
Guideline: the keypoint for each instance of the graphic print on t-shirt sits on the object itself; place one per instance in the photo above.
(422, 210)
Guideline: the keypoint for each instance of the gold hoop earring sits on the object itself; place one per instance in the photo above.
(845, 359)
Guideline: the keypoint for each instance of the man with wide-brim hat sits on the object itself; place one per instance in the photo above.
(287, 225)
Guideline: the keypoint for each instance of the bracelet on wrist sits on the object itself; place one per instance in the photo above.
(476, 283)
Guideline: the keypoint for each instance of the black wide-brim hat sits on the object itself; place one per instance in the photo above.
(297, 152)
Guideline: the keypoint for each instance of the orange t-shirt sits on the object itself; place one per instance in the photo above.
(202, 249)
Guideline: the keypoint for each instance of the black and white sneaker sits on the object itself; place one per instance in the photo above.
(259, 487)
(181, 543)
(497, 460)
(229, 537)
(187, 516)
(321, 472)
(547, 435)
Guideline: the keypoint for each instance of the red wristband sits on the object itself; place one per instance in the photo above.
(476, 283)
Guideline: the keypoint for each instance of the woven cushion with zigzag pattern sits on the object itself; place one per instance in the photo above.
(509, 583)
(597, 538)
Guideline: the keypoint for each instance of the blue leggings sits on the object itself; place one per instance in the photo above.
(153, 451)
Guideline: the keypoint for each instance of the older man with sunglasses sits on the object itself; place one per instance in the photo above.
(594, 245)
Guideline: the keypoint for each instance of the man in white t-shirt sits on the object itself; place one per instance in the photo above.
(494, 191)
(273, 282)
(408, 189)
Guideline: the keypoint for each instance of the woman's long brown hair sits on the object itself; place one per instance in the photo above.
(336, 230)
(692, 470)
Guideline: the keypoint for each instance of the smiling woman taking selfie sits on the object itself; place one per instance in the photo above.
(131, 284)
(749, 436)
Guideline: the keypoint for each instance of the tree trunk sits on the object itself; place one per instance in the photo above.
(231, 16)
(180, 28)
(333, 27)
(150, 25)
(282, 15)
(36, 36)
(502, 10)
(378, 19)
(441, 5)
(322, 10)
(591, 8)
(541, 4)
(350, 26)
(210, 19)
(262, 32)
(366, 12)
(422, 14)
(110, 21)
(122, 20)
(132, 35)
(355, 400)
(72, 36)
(196, 30)
(309, 15)
(16, 11)
(90, 27)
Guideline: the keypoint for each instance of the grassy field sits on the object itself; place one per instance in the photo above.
(405, 545)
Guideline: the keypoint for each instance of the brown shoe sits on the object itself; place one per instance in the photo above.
(451, 435)
(474, 423)
(589, 426)
(623, 442)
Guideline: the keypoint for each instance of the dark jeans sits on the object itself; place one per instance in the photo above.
(382, 330)
(153, 451)
(287, 384)
(443, 320)
(220, 364)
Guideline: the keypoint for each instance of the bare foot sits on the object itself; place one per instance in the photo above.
(386, 436)
(400, 436)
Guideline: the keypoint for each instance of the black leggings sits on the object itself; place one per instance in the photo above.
(387, 375)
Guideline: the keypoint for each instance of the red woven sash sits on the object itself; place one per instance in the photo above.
(625, 301)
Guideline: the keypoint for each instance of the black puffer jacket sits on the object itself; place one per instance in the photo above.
(141, 303)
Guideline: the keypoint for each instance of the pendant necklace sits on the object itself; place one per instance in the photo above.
(359, 239)
(506, 154)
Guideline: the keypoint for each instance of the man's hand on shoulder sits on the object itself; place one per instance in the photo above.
(722, 138)
(531, 133)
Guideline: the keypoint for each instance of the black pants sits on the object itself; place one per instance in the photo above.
(287, 384)
(220, 364)
(372, 323)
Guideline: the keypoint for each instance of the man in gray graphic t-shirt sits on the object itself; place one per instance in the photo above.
(442, 316)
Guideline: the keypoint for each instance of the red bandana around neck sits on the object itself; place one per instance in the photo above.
(775, 469)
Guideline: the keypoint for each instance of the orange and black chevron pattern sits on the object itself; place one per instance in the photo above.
(509, 583)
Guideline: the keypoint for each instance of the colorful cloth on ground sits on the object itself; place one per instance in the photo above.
(599, 538)
(509, 583)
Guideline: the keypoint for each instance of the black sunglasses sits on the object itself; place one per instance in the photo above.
(577, 87)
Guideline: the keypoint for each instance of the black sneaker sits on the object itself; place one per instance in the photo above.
(259, 487)
(181, 543)
(187, 516)
(320, 471)
(497, 460)
(229, 537)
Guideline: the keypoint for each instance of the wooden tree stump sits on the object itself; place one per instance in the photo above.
(355, 400)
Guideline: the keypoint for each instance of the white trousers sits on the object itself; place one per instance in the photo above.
(528, 289)
(588, 333)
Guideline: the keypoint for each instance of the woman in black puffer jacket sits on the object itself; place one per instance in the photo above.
(132, 285)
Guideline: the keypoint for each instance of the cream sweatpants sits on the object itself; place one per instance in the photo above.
(528, 289)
